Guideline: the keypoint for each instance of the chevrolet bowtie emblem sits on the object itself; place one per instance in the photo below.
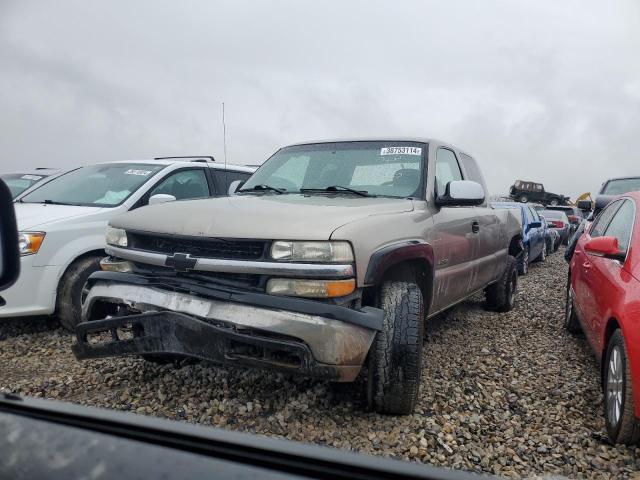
(181, 262)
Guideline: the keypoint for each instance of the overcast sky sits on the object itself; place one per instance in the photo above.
(541, 90)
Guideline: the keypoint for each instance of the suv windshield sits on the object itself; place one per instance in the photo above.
(105, 185)
(387, 169)
(623, 185)
(18, 183)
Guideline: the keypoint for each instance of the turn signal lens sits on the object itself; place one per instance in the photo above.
(310, 288)
(29, 242)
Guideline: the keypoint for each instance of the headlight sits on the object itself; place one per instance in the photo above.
(310, 288)
(116, 237)
(312, 251)
(29, 242)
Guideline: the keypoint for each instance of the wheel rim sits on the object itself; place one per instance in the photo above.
(615, 386)
(523, 199)
(84, 293)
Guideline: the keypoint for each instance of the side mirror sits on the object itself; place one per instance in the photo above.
(461, 193)
(10, 255)
(161, 198)
(234, 187)
(585, 205)
(606, 247)
(535, 225)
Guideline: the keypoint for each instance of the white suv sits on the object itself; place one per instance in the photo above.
(62, 223)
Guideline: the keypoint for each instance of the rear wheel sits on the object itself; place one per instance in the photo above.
(571, 322)
(502, 294)
(395, 357)
(554, 202)
(72, 291)
(622, 426)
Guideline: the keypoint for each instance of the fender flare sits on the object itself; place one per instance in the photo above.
(390, 255)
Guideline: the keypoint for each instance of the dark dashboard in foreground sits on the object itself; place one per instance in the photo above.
(55, 440)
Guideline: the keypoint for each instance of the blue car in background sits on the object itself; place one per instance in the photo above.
(534, 234)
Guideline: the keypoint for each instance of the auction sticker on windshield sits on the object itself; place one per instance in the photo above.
(133, 171)
(401, 151)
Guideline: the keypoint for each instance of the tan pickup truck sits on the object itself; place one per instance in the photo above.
(328, 262)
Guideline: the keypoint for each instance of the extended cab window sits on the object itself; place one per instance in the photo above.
(447, 169)
(621, 225)
(184, 185)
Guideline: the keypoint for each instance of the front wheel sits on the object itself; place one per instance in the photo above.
(553, 202)
(72, 291)
(501, 296)
(395, 357)
(622, 426)
(523, 198)
(571, 322)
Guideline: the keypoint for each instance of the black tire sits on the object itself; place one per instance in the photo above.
(523, 199)
(571, 322)
(554, 202)
(618, 394)
(502, 294)
(396, 354)
(523, 264)
(70, 291)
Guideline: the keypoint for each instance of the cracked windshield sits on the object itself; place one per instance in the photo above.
(381, 240)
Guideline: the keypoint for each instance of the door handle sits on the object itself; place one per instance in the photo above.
(475, 227)
(586, 264)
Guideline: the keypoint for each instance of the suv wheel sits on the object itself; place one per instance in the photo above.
(554, 202)
(501, 296)
(396, 354)
(523, 198)
(71, 291)
(571, 322)
(523, 267)
(622, 427)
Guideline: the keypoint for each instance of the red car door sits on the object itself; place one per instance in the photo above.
(609, 277)
(586, 274)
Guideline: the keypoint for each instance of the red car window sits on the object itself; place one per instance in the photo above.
(601, 223)
(622, 224)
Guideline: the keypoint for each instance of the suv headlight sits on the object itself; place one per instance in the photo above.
(116, 237)
(29, 242)
(312, 251)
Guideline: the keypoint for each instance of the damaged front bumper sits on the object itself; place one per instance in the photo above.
(223, 325)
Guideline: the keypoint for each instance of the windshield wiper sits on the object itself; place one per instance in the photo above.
(337, 188)
(263, 187)
(53, 202)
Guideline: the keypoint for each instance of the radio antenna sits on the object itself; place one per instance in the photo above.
(224, 144)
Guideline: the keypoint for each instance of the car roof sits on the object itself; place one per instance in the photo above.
(167, 162)
(622, 178)
(44, 172)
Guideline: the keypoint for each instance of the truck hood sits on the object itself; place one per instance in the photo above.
(268, 216)
(37, 215)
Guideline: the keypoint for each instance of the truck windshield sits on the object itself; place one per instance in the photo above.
(623, 185)
(387, 169)
(106, 185)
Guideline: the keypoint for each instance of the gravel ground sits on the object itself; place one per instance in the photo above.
(510, 394)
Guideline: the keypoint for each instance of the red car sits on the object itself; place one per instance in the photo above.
(603, 300)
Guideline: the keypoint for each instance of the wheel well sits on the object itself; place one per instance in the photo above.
(516, 246)
(91, 253)
(416, 271)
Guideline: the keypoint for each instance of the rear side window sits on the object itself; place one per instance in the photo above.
(447, 169)
(184, 185)
(601, 223)
(621, 225)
